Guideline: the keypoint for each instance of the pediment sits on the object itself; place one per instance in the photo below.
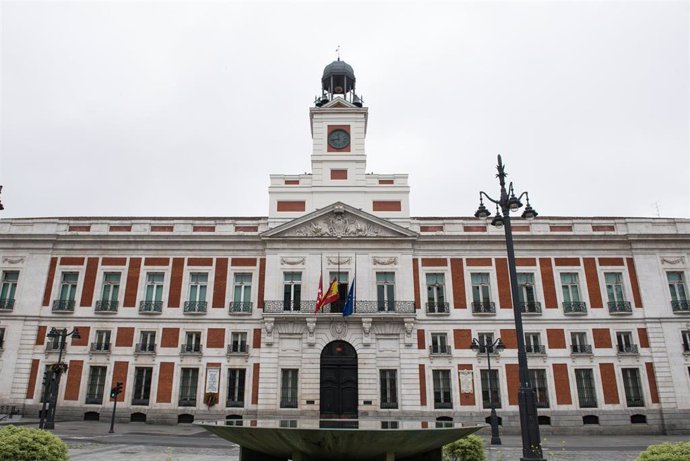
(339, 221)
(338, 103)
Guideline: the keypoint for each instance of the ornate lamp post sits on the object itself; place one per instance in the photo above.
(481, 346)
(529, 423)
(53, 374)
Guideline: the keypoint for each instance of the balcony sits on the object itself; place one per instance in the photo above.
(634, 402)
(107, 306)
(187, 403)
(6, 304)
(150, 307)
(536, 349)
(195, 307)
(681, 306)
(581, 349)
(142, 402)
(238, 349)
(483, 307)
(437, 307)
(145, 348)
(65, 306)
(100, 348)
(574, 308)
(240, 307)
(530, 307)
(588, 403)
(361, 307)
(192, 349)
(92, 399)
(438, 405)
(234, 403)
(620, 307)
(628, 349)
(440, 349)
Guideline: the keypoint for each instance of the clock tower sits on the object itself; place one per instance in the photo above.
(338, 128)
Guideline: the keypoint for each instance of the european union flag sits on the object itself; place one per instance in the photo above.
(349, 307)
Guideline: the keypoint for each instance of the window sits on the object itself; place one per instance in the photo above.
(288, 388)
(491, 391)
(486, 339)
(527, 295)
(9, 288)
(537, 379)
(579, 345)
(236, 377)
(342, 278)
(142, 385)
(385, 291)
(110, 291)
(676, 285)
(147, 341)
(96, 384)
(632, 386)
(2, 338)
(389, 388)
(442, 391)
(192, 342)
(198, 282)
(435, 293)
(615, 292)
(439, 343)
(292, 291)
(570, 287)
(238, 342)
(68, 292)
(52, 342)
(242, 294)
(586, 394)
(188, 383)
(624, 340)
(102, 341)
(686, 340)
(154, 287)
(481, 293)
(533, 344)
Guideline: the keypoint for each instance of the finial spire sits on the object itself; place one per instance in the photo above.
(337, 51)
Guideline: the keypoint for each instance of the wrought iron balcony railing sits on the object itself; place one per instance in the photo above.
(628, 349)
(581, 349)
(574, 307)
(106, 305)
(530, 307)
(238, 348)
(6, 304)
(288, 403)
(483, 307)
(140, 401)
(234, 403)
(145, 348)
(443, 405)
(542, 403)
(361, 307)
(100, 348)
(535, 349)
(150, 307)
(389, 405)
(440, 349)
(681, 306)
(63, 305)
(195, 307)
(620, 307)
(240, 307)
(635, 402)
(437, 307)
(588, 403)
(187, 402)
(190, 349)
(93, 399)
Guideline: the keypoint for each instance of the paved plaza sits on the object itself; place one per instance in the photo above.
(147, 442)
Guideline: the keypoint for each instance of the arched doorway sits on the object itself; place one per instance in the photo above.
(338, 381)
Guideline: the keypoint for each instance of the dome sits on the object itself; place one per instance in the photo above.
(338, 68)
(338, 78)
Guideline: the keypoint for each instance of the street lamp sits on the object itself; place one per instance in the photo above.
(529, 423)
(482, 346)
(52, 377)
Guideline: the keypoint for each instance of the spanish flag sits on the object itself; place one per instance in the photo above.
(331, 295)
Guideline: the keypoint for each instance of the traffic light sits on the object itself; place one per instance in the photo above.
(115, 391)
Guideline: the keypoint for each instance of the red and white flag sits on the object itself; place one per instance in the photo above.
(319, 294)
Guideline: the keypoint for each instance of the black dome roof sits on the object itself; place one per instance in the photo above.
(338, 68)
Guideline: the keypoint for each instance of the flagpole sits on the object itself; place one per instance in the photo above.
(354, 294)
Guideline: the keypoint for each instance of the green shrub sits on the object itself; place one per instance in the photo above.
(470, 448)
(27, 444)
(666, 452)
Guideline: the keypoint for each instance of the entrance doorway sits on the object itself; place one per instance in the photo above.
(338, 381)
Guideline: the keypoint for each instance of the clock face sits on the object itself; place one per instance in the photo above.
(339, 139)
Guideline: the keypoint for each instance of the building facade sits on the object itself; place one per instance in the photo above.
(208, 318)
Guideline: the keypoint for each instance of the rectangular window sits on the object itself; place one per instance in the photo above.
(435, 293)
(537, 379)
(142, 385)
(485, 339)
(236, 377)
(570, 286)
(102, 341)
(527, 293)
(68, 286)
(154, 286)
(192, 342)
(633, 387)
(9, 288)
(111, 287)
(147, 341)
(685, 335)
(586, 393)
(2, 338)
(491, 390)
(676, 286)
(242, 294)
(579, 344)
(95, 386)
(614, 287)
(481, 291)
(288, 388)
(198, 283)
(343, 279)
(442, 390)
(533, 343)
(292, 291)
(625, 343)
(389, 388)
(385, 291)
(439, 343)
(238, 341)
(188, 386)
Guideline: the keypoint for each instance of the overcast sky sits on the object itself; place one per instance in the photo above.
(184, 109)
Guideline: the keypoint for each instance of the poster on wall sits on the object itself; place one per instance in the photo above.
(466, 386)
(212, 380)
